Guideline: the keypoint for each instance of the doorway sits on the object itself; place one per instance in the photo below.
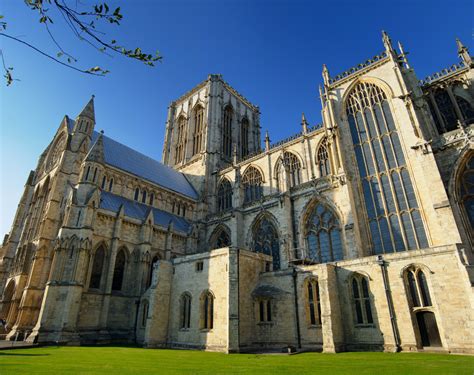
(428, 328)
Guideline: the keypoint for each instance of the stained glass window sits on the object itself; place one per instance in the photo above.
(466, 193)
(97, 268)
(266, 241)
(227, 132)
(361, 298)
(244, 134)
(198, 129)
(289, 167)
(418, 287)
(185, 311)
(313, 308)
(119, 270)
(252, 184)
(323, 235)
(224, 195)
(323, 159)
(180, 140)
(394, 216)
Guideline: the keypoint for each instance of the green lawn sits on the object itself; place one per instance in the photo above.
(125, 360)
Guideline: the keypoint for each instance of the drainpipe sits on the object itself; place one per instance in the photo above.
(238, 297)
(137, 304)
(393, 320)
(295, 290)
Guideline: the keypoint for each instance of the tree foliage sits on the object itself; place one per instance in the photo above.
(83, 22)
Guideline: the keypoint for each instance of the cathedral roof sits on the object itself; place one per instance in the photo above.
(123, 157)
(113, 202)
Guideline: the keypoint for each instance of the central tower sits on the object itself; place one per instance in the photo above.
(207, 128)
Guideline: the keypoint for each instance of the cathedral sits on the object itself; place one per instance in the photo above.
(352, 235)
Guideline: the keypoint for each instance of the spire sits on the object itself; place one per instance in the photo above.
(88, 110)
(463, 53)
(387, 42)
(304, 123)
(325, 74)
(267, 141)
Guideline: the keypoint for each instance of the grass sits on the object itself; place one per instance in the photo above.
(127, 360)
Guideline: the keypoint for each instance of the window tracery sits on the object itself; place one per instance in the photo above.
(313, 303)
(244, 135)
(181, 140)
(361, 299)
(266, 241)
(323, 235)
(323, 159)
(252, 184)
(395, 220)
(466, 193)
(224, 195)
(198, 129)
(227, 132)
(289, 167)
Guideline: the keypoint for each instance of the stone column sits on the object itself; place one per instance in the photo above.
(332, 328)
(156, 331)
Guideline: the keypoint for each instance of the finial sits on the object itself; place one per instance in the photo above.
(304, 123)
(102, 132)
(387, 42)
(267, 141)
(325, 74)
(463, 53)
(93, 96)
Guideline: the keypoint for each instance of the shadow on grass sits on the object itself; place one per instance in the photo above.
(22, 355)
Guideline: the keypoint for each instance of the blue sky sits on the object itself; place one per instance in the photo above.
(270, 51)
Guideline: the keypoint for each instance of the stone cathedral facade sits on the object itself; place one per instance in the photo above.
(356, 234)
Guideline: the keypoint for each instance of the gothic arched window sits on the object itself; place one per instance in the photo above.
(119, 270)
(221, 239)
(361, 299)
(97, 268)
(198, 129)
(313, 303)
(394, 217)
(207, 310)
(227, 132)
(323, 159)
(111, 184)
(224, 195)
(266, 241)
(446, 109)
(180, 140)
(418, 287)
(56, 151)
(137, 193)
(289, 167)
(244, 137)
(323, 235)
(466, 193)
(252, 184)
(466, 109)
(144, 196)
(185, 311)
(104, 181)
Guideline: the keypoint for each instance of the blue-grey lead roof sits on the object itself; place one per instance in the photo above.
(113, 202)
(123, 157)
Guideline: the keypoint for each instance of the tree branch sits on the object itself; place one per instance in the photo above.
(51, 57)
